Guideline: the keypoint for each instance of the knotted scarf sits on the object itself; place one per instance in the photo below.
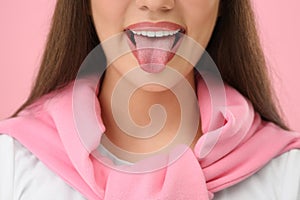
(234, 145)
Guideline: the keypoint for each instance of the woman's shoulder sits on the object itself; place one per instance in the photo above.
(24, 176)
(279, 179)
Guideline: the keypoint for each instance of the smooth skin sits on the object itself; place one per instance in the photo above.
(111, 17)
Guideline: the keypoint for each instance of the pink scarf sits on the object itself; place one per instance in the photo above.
(222, 157)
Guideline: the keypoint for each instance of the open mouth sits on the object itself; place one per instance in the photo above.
(153, 49)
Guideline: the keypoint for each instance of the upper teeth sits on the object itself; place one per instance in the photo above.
(156, 33)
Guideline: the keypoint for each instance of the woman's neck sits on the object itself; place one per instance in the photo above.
(138, 107)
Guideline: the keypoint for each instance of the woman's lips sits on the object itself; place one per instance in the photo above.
(154, 44)
(155, 26)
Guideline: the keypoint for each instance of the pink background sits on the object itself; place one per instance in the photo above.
(24, 26)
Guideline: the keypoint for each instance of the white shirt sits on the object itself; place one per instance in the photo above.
(24, 177)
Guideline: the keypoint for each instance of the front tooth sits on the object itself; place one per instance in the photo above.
(150, 34)
(166, 33)
(143, 33)
(159, 33)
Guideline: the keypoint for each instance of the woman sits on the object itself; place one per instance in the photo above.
(231, 146)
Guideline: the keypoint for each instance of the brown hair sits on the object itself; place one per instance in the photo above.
(234, 46)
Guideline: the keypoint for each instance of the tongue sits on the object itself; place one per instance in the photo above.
(153, 53)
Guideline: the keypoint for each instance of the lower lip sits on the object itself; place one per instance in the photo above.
(154, 67)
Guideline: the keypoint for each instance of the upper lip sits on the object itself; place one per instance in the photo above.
(158, 26)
